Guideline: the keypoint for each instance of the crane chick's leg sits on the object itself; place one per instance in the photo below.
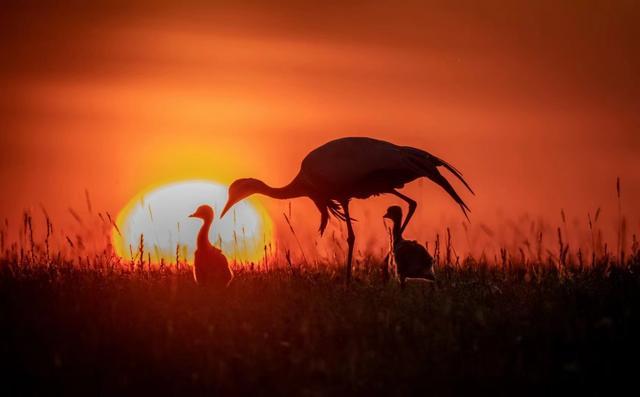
(351, 238)
(385, 269)
(412, 208)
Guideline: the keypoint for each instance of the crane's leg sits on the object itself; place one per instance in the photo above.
(412, 208)
(351, 238)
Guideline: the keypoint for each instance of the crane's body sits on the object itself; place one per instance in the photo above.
(362, 167)
(354, 167)
(210, 267)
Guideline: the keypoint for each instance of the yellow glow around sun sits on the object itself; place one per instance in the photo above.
(161, 215)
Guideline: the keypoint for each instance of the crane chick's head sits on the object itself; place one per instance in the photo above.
(203, 212)
(394, 213)
(241, 189)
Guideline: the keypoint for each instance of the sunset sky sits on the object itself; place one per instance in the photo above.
(536, 102)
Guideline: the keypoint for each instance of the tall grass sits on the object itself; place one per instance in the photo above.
(97, 325)
(541, 312)
(533, 244)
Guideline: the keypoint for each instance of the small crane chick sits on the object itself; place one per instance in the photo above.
(210, 267)
(412, 259)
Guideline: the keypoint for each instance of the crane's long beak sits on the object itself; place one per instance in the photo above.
(192, 215)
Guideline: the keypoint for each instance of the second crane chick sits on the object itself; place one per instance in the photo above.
(412, 259)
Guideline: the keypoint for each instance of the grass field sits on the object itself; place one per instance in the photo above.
(99, 329)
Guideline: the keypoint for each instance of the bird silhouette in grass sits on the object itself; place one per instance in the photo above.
(210, 266)
(412, 259)
(354, 167)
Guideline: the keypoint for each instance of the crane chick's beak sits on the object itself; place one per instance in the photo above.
(192, 215)
(387, 216)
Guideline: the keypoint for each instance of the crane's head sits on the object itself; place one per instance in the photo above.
(203, 212)
(241, 189)
(394, 213)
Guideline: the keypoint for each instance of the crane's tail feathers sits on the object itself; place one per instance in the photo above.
(336, 210)
(455, 172)
(466, 215)
(444, 183)
(427, 162)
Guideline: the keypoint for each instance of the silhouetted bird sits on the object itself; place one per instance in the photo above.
(210, 267)
(347, 168)
(412, 259)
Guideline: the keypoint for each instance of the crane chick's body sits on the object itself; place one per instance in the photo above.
(412, 259)
(210, 266)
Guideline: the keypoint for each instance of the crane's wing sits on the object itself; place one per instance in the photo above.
(345, 163)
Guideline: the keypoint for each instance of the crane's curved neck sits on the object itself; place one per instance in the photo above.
(397, 232)
(292, 190)
(203, 235)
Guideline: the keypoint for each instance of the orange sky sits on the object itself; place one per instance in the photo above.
(537, 103)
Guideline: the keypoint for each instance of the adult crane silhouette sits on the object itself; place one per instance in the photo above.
(210, 266)
(354, 167)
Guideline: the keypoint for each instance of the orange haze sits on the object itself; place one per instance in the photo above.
(536, 102)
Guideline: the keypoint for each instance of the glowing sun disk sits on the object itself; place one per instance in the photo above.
(160, 216)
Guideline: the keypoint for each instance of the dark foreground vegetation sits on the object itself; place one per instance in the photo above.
(525, 329)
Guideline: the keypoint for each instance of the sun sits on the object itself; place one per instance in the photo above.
(160, 216)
